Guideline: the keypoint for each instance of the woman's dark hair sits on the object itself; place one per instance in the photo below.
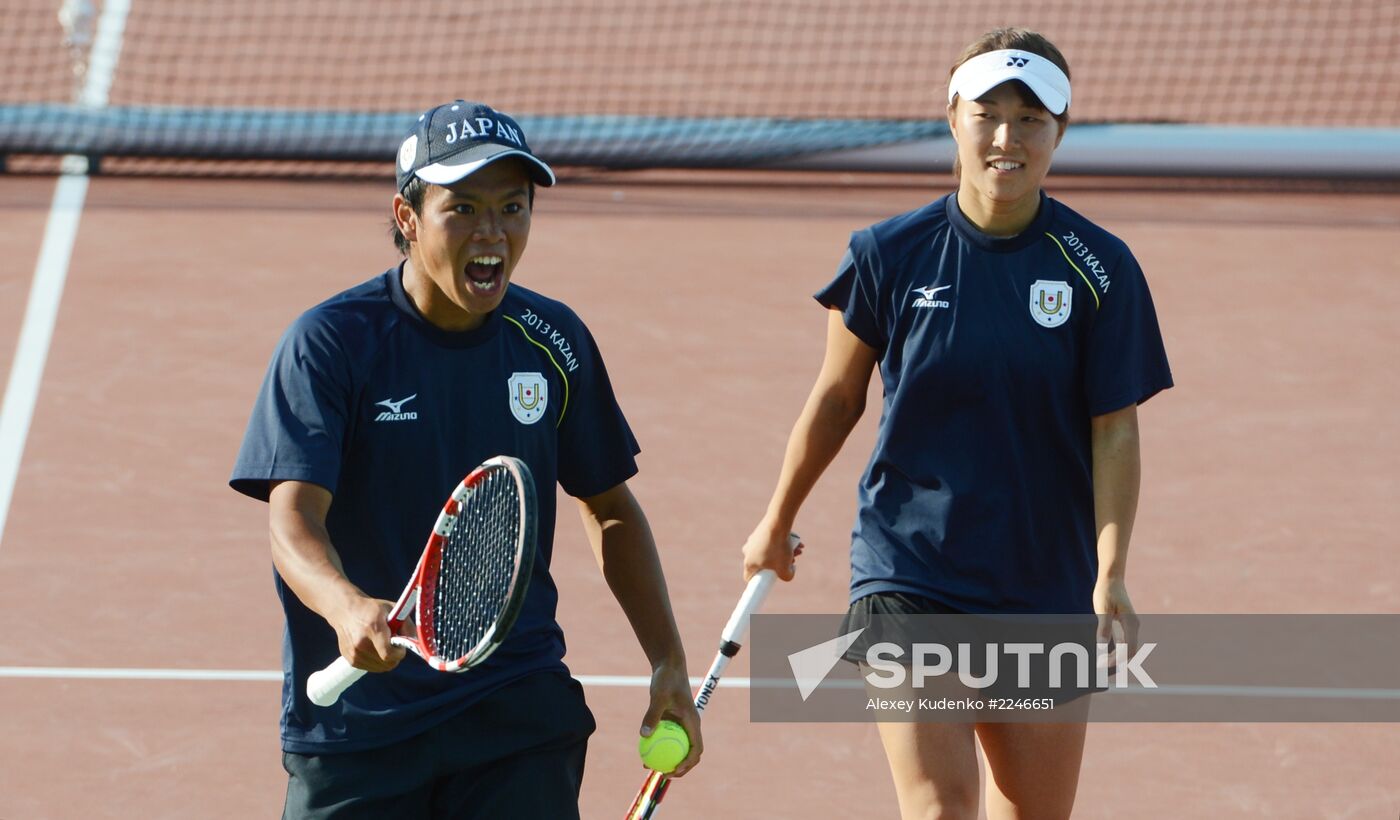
(413, 194)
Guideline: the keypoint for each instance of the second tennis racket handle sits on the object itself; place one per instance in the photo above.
(324, 687)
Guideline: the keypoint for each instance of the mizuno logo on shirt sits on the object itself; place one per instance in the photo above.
(395, 410)
(925, 297)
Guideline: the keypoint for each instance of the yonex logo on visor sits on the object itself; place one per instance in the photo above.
(986, 71)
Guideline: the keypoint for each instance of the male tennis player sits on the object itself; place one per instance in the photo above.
(376, 403)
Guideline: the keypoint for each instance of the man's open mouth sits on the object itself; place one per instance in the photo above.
(484, 272)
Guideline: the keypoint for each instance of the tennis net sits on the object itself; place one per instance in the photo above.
(678, 83)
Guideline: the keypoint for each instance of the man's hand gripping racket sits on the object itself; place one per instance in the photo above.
(470, 582)
(654, 789)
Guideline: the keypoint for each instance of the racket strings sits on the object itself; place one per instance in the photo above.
(478, 566)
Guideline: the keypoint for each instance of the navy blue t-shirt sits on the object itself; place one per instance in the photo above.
(994, 355)
(365, 398)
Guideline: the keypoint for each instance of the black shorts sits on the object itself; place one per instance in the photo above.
(883, 611)
(518, 752)
(902, 619)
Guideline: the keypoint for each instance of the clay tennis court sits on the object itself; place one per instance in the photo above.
(1268, 475)
(141, 670)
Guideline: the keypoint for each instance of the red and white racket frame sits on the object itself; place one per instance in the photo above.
(325, 687)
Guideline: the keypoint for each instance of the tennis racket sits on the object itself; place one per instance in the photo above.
(654, 789)
(470, 582)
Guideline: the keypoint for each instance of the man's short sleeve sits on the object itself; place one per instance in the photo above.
(597, 450)
(1127, 362)
(854, 292)
(297, 429)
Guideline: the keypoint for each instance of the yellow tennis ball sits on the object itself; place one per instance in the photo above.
(666, 748)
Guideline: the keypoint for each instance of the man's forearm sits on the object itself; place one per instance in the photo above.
(626, 552)
(303, 554)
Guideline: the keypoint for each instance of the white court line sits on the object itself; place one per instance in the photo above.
(22, 389)
(86, 673)
(642, 681)
(106, 50)
(51, 271)
(1308, 692)
(1164, 690)
(93, 673)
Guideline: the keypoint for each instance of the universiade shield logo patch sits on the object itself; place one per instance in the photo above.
(1050, 302)
(529, 396)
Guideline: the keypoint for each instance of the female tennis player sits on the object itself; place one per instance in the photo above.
(376, 403)
(1015, 339)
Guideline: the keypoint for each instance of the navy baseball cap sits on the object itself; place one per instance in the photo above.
(453, 140)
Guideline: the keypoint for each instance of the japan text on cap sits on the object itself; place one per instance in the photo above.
(456, 139)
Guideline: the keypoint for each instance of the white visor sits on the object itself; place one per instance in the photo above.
(987, 71)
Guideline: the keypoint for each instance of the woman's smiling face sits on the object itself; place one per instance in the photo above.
(1006, 139)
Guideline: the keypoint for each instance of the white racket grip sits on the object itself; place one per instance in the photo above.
(752, 599)
(325, 687)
